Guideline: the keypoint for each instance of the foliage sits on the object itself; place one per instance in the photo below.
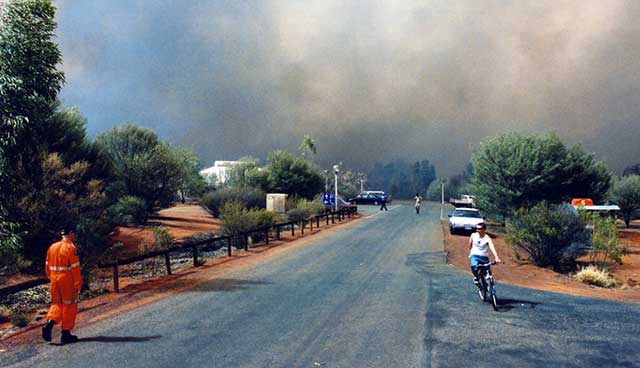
(163, 239)
(237, 219)
(249, 174)
(604, 239)
(294, 175)
(512, 171)
(190, 183)
(304, 210)
(10, 243)
(631, 170)
(129, 210)
(248, 197)
(547, 233)
(20, 319)
(626, 194)
(146, 167)
(594, 276)
(307, 146)
(401, 179)
(29, 84)
(5, 314)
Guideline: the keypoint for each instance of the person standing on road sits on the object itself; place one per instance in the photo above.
(418, 199)
(479, 245)
(63, 269)
(384, 203)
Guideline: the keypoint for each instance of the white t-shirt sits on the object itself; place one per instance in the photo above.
(480, 246)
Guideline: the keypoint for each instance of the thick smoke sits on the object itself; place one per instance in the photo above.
(370, 80)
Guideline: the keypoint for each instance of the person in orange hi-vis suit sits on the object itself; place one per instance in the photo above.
(63, 269)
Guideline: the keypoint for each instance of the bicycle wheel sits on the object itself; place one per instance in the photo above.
(482, 290)
(494, 302)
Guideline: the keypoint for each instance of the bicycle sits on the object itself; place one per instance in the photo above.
(486, 284)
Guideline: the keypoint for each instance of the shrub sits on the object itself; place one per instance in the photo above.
(604, 239)
(248, 197)
(20, 319)
(5, 314)
(594, 276)
(626, 193)
(548, 234)
(163, 238)
(130, 210)
(237, 219)
(298, 214)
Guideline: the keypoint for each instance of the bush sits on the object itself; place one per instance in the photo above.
(163, 238)
(548, 234)
(5, 314)
(130, 210)
(248, 197)
(593, 276)
(298, 214)
(604, 239)
(20, 319)
(237, 219)
(626, 194)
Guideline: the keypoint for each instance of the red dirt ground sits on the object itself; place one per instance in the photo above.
(531, 276)
(181, 220)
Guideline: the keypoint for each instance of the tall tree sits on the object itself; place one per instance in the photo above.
(626, 194)
(513, 171)
(307, 146)
(294, 175)
(29, 85)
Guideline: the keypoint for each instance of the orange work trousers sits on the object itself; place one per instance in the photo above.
(64, 302)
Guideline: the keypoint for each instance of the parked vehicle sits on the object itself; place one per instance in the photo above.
(369, 197)
(465, 200)
(464, 220)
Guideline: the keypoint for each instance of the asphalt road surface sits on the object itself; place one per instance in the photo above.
(376, 294)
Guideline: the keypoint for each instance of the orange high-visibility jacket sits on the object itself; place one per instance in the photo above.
(63, 265)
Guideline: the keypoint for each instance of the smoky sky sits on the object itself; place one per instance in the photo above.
(369, 80)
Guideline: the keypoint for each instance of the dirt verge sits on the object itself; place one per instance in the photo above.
(530, 276)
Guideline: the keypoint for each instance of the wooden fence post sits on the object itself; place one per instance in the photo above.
(302, 227)
(195, 255)
(318, 222)
(116, 284)
(278, 232)
(246, 241)
(292, 229)
(229, 246)
(311, 224)
(266, 234)
(167, 263)
(333, 220)
(326, 217)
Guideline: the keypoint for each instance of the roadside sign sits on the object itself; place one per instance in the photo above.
(329, 199)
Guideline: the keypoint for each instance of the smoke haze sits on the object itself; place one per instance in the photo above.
(369, 80)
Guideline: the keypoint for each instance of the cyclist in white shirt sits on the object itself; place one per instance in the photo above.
(479, 245)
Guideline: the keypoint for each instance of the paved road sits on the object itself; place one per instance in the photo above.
(377, 294)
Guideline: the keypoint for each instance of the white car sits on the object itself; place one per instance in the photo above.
(464, 219)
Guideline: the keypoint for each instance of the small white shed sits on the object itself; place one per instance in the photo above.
(276, 202)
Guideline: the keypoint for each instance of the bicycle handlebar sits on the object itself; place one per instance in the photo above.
(487, 264)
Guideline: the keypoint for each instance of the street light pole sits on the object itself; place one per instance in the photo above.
(326, 181)
(442, 200)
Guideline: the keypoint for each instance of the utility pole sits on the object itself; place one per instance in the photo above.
(442, 200)
(336, 170)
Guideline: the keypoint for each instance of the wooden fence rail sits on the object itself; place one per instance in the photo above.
(201, 246)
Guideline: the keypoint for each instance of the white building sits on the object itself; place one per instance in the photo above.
(217, 174)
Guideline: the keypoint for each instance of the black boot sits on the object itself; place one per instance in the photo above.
(46, 330)
(68, 338)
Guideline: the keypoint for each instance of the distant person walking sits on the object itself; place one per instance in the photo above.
(418, 199)
(63, 269)
(384, 203)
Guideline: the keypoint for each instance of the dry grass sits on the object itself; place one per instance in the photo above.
(5, 314)
(593, 276)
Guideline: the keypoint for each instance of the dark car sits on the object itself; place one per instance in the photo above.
(368, 198)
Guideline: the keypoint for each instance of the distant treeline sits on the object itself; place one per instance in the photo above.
(401, 179)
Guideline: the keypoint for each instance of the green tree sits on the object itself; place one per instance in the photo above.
(626, 194)
(631, 170)
(294, 175)
(29, 85)
(190, 183)
(512, 171)
(146, 167)
(307, 146)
